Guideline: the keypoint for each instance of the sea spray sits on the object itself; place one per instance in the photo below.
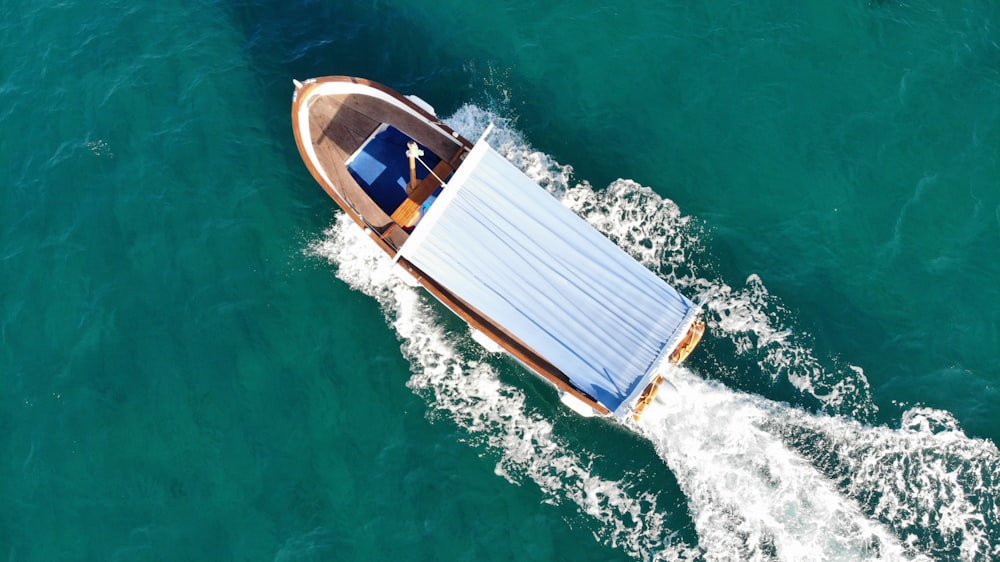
(753, 497)
(767, 480)
(933, 485)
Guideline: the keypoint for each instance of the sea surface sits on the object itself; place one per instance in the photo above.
(202, 359)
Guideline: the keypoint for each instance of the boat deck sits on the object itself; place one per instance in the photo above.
(341, 124)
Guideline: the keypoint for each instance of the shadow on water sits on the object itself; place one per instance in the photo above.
(286, 40)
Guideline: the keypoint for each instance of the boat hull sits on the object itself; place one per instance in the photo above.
(340, 126)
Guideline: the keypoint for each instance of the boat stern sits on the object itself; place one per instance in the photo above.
(687, 344)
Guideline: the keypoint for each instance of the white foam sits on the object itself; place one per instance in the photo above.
(932, 484)
(753, 497)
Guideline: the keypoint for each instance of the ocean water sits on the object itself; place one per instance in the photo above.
(203, 360)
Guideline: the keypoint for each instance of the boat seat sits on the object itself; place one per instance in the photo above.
(408, 212)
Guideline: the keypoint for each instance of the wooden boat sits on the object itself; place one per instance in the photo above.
(528, 276)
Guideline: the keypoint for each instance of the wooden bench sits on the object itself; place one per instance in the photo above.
(408, 211)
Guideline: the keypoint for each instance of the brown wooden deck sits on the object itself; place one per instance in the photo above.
(340, 125)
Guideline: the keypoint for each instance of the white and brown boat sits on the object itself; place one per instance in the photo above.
(529, 276)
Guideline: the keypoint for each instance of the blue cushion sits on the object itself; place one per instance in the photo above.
(383, 169)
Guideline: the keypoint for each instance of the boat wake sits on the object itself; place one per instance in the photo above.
(469, 393)
(767, 481)
(763, 480)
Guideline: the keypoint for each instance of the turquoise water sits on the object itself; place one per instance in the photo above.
(203, 361)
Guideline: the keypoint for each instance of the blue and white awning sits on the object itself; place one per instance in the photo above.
(511, 250)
